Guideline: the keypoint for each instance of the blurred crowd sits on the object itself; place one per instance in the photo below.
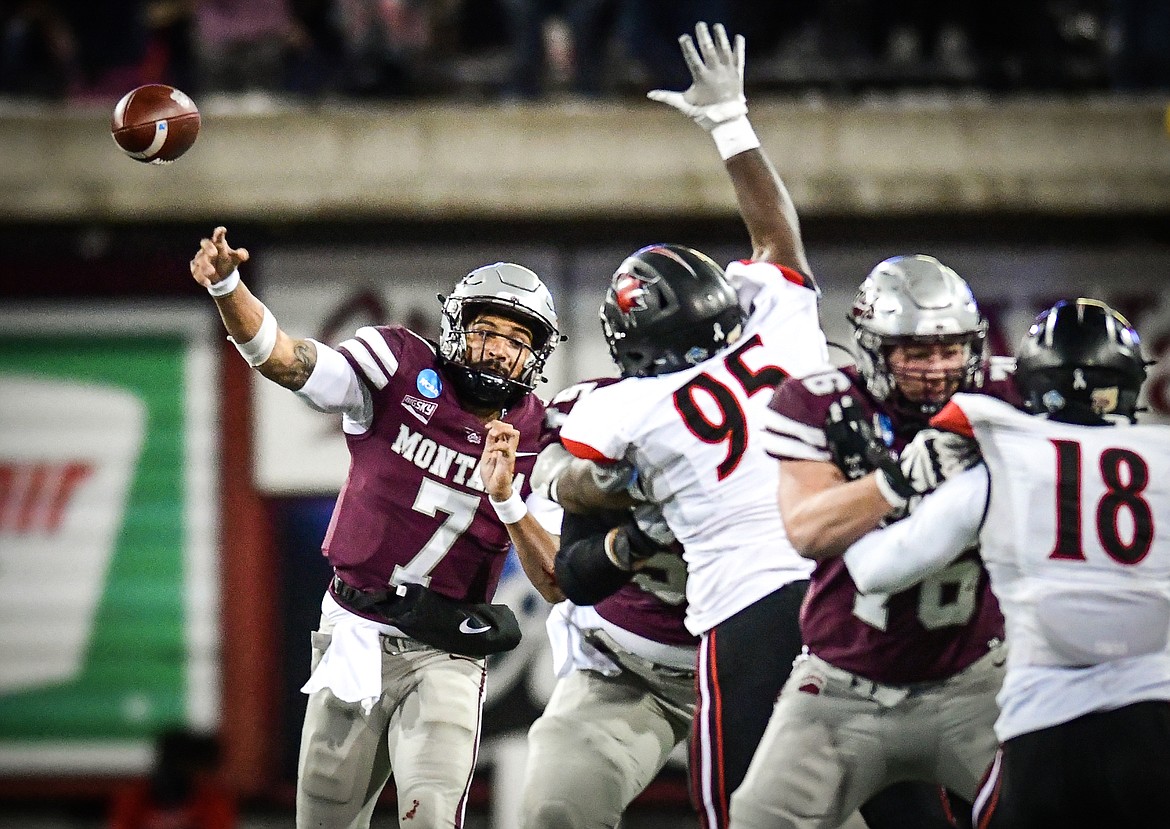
(80, 50)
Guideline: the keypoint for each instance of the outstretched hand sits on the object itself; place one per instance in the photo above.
(215, 259)
(716, 92)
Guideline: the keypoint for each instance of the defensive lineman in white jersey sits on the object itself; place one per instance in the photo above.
(1071, 509)
(700, 352)
(693, 435)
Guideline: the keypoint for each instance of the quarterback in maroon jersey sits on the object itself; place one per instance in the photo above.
(890, 687)
(417, 549)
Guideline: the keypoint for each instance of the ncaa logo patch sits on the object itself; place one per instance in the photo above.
(428, 383)
(885, 428)
(422, 409)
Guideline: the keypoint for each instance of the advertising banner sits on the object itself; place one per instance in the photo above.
(108, 592)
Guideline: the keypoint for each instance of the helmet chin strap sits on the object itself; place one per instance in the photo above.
(483, 390)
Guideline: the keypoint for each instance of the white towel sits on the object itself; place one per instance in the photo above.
(352, 665)
(570, 651)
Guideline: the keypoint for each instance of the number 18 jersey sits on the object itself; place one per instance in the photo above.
(1076, 538)
(695, 438)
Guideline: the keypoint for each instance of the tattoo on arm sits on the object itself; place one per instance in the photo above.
(294, 373)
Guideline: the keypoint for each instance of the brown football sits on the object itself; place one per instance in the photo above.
(155, 123)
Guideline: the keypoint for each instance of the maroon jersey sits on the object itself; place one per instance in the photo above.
(924, 634)
(652, 604)
(413, 507)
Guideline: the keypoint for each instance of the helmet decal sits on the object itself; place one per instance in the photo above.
(668, 307)
(630, 292)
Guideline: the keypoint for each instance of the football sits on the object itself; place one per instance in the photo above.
(155, 123)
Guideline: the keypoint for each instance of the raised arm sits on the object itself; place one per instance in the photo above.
(716, 102)
(285, 360)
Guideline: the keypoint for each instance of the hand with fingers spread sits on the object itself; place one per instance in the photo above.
(216, 262)
(716, 94)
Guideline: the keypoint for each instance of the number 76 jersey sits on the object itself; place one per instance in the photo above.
(695, 438)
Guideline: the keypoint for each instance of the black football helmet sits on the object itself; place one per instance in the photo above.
(512, 291)
(668, 308)
(1079, 362)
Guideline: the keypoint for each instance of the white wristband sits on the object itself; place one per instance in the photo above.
(734, 137)
(883, 484)
(258, 349)
(511, 510)
(225, 286)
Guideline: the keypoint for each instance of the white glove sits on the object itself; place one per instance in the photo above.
(649, 519)
(716, 95)
(933, 457)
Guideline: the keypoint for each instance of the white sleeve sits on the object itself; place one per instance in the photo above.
(944, 525)
(335, 387)
(595, 427)
(547, 513)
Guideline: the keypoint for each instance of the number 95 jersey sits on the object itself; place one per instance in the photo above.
(695, 438)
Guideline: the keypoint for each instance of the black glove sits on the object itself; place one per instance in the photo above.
(628, 545)
(857, 450)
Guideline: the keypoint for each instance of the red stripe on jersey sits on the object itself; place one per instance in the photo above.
(952, 419)
(584, 450)
(792, 275)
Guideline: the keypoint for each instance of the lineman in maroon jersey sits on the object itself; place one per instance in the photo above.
(891, 687)
(417, 550)
(625, 696)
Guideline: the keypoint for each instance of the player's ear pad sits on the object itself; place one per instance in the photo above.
(457, 627)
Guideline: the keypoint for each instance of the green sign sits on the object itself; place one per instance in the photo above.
(107, 601)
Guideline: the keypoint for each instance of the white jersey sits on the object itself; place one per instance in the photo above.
(696, 438)
(1074, 527)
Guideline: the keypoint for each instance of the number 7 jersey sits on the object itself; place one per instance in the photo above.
(695, 438)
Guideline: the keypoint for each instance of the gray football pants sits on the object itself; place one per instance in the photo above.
(599, 743)
(835, 740)
(424, 729)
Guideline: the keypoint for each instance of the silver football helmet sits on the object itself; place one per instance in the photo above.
(512, 291)
(915, 299)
